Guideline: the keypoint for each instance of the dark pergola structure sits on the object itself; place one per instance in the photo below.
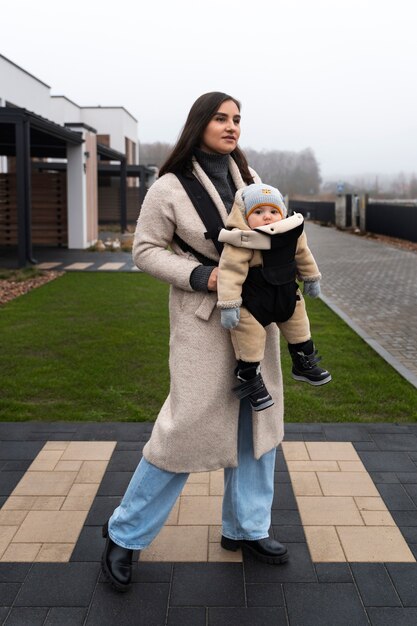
(25, 135)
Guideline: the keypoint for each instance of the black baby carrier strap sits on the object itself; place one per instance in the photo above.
(208, 214)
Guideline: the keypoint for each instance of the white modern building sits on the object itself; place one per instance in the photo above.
(52, 152)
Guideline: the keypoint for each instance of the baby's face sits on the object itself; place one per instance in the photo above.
(264, 215)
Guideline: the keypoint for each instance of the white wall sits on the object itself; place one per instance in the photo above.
(23, 90)
(64, 110)
(113, 121)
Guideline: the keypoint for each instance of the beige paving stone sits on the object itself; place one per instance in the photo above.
(305, 484)
(216, 483)
(47, 265)
(45, 461)
(19, 503)
(48, 503)
(89, 451)
(83, 489)
(374, 544)
(55, 553)
(45, 484)
(351, 466)
(21, 552)
(6, 535)
(111, 266)
(217, 554)
(178, 543)
(324, 545)
(199, 477)
(370, 504)
(51, 527)
(312, 466)
(56, 445)
(12, 518)
(295, 451)
(215, 534)
(68, 466)
(200, 510)
(91, 472)
(78, 266)
(328, 511)
(331, 451)
(173, 516)
(378, 518)
(347, 484)
(196, 489)
(77, 503)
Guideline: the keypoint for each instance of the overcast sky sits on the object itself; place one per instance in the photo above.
(335, 75)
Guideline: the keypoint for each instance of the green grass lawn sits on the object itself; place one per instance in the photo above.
(91, 346)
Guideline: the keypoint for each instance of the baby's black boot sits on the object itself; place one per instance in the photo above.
(252, 386)
(304, 364)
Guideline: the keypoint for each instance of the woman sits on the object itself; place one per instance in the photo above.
(201, 426)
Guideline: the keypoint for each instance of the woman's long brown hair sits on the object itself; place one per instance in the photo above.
(202, 111)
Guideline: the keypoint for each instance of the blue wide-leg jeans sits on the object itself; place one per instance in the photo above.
(152, 493)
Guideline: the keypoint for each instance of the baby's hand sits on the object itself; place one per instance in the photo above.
(230, 318)
(312, 288)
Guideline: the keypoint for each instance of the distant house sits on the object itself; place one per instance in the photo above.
(63, 167)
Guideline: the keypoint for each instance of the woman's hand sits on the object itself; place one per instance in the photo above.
(212, 281)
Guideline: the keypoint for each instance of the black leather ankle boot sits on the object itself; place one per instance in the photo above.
(116, 563)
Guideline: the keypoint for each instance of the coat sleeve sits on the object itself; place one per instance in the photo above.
(233, 270)
(154, 233)
(307, 268)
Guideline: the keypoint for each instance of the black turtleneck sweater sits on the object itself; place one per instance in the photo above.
(216, 166)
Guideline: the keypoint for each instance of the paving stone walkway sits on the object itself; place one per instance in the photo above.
(373, 287)
(325, 583)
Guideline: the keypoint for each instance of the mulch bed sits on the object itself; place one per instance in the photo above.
(11, 289)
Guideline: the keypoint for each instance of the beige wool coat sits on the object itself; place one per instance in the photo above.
(196, 429)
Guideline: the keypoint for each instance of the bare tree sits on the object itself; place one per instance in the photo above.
(154, 153)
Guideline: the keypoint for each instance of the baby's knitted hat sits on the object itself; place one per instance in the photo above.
(257, 195)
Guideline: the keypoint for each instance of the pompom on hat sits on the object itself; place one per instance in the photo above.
(258, 194)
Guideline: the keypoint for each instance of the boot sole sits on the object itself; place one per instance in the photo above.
(272, 560)
(315, 383)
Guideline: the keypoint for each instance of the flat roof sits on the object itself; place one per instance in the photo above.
(25, 71)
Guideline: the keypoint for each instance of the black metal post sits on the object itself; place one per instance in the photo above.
(21, 186)
(123, 195)
(142, 186)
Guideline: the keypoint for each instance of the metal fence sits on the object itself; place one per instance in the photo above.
(318, 211)
(392, 220)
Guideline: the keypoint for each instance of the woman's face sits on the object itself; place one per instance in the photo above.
(223, 131)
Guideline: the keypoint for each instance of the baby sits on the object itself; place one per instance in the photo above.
(264, 253)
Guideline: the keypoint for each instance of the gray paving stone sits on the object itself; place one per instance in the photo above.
(26, 616)
(281, 517)
(8, 592)
(395, 442)
(114, 484)
(392, 616)
(89, 546)
(124, 461)
(207, 584)
(387, 461)
(384, 477)
(266, 594)
(404, 577)
(59, 584)
(184, 616)
(407, 477)
(375, 585)
(289, 534)
(19, 465)
(265, 616)
(4, 610)
(411, 490)
(404, 518)
(386, 427)
(8, 481)
(284, 497)
(130, 445)
(323, 604)
(101, 509)
(14, 450)
(68, 616)
(297, 427)
(299, 568)
(110, 608)
(333, 573)
(409, 533)
(14, 572)
(152, 572)
(282, 477)
(313, 437)
(345, 432)
(364, 445)
(396, 498)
